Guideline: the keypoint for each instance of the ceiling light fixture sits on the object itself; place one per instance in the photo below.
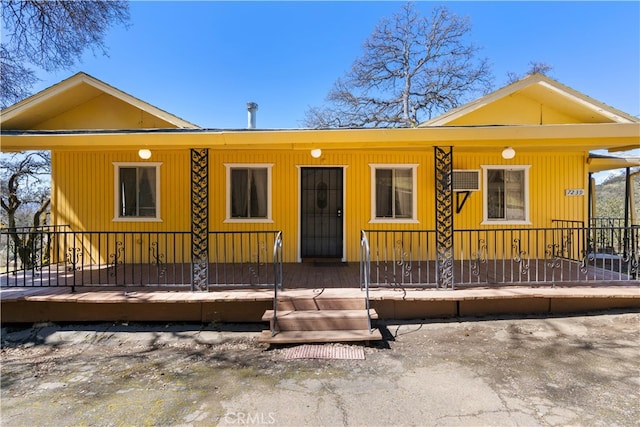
(508, 153)
(144, 153)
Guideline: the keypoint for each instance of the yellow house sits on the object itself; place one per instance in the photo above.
(516, 159)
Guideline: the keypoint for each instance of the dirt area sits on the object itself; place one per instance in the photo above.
(580, 370)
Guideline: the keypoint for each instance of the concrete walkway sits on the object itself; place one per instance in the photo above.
(546, 371)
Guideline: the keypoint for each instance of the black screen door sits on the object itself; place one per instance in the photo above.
(321, 211)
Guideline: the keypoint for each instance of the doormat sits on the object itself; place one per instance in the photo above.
(336, 352)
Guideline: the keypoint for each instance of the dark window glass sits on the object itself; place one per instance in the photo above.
(137, 192)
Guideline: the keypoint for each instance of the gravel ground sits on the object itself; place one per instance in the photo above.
(579, 370)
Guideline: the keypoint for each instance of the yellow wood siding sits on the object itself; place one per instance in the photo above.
(515, 110)
(104, 112)
(286, 190)
(84, 190)
(550, 174)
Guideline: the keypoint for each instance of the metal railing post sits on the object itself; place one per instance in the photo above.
(365, 270)
(277, 279)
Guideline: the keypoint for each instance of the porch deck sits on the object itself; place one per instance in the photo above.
(32, 305)
(176, 302)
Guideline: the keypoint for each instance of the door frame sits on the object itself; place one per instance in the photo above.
(344, 207)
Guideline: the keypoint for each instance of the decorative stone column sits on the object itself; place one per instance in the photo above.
(444, 215)
(199, 219)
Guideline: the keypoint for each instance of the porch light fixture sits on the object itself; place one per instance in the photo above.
(508, 153)
(144, 153)
(316, 153)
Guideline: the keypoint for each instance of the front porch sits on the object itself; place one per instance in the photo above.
(567, 254)
(507, 271)
(35, 305)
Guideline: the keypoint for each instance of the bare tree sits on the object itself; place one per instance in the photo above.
(412, 68)
(50, 35)
(24, 185)
(534, 68)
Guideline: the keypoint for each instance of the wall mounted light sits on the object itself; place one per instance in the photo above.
(144, 153)
(316, 153)
(508, 153)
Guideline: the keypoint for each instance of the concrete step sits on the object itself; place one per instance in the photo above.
(296, 337)
(316, 320)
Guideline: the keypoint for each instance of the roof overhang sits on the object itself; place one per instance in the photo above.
(587, 137)
(604, 163)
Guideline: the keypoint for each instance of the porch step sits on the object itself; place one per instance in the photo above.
(297, 337)
(320, 320)
(319, 317)
(320, 302)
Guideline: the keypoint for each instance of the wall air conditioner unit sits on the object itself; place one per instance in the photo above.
(466, 180)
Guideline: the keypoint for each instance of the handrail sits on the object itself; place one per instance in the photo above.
(277, 279)
(45, 228)
(365, 271)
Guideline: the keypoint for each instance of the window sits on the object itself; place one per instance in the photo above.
(248, 194)
(137, 191)
(506, 194)
(393, 193)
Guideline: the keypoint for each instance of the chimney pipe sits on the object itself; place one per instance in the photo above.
(252, 107)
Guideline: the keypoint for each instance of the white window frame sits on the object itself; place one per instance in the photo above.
(116, 192)
(414, 193)
(485, 196)
(229, 167)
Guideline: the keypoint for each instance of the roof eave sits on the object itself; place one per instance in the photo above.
(608, 136)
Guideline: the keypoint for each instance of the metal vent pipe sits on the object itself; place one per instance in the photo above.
(252, 107)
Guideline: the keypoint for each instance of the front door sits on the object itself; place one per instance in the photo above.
(321, 222)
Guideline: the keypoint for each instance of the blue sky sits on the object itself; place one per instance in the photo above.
(203, 61)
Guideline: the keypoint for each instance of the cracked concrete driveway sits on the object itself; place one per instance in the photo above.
(582, 370)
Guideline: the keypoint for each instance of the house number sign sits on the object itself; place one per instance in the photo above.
(574, 192)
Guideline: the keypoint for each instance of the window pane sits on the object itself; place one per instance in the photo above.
(147, 192)
(506, 194)
(495, 194)
(239, 193)
(249, 193)
(137, 195)
(384, 188)
(404, 193)
(258, 200)
(514, 190)
(128, 192)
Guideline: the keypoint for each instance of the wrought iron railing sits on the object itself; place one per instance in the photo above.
(24, 248)
(88, 258)
(613, 235)
(604, 222)
(401, 258)
(277, 283)
(244, 258)
(365, 273)
(503, 256)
